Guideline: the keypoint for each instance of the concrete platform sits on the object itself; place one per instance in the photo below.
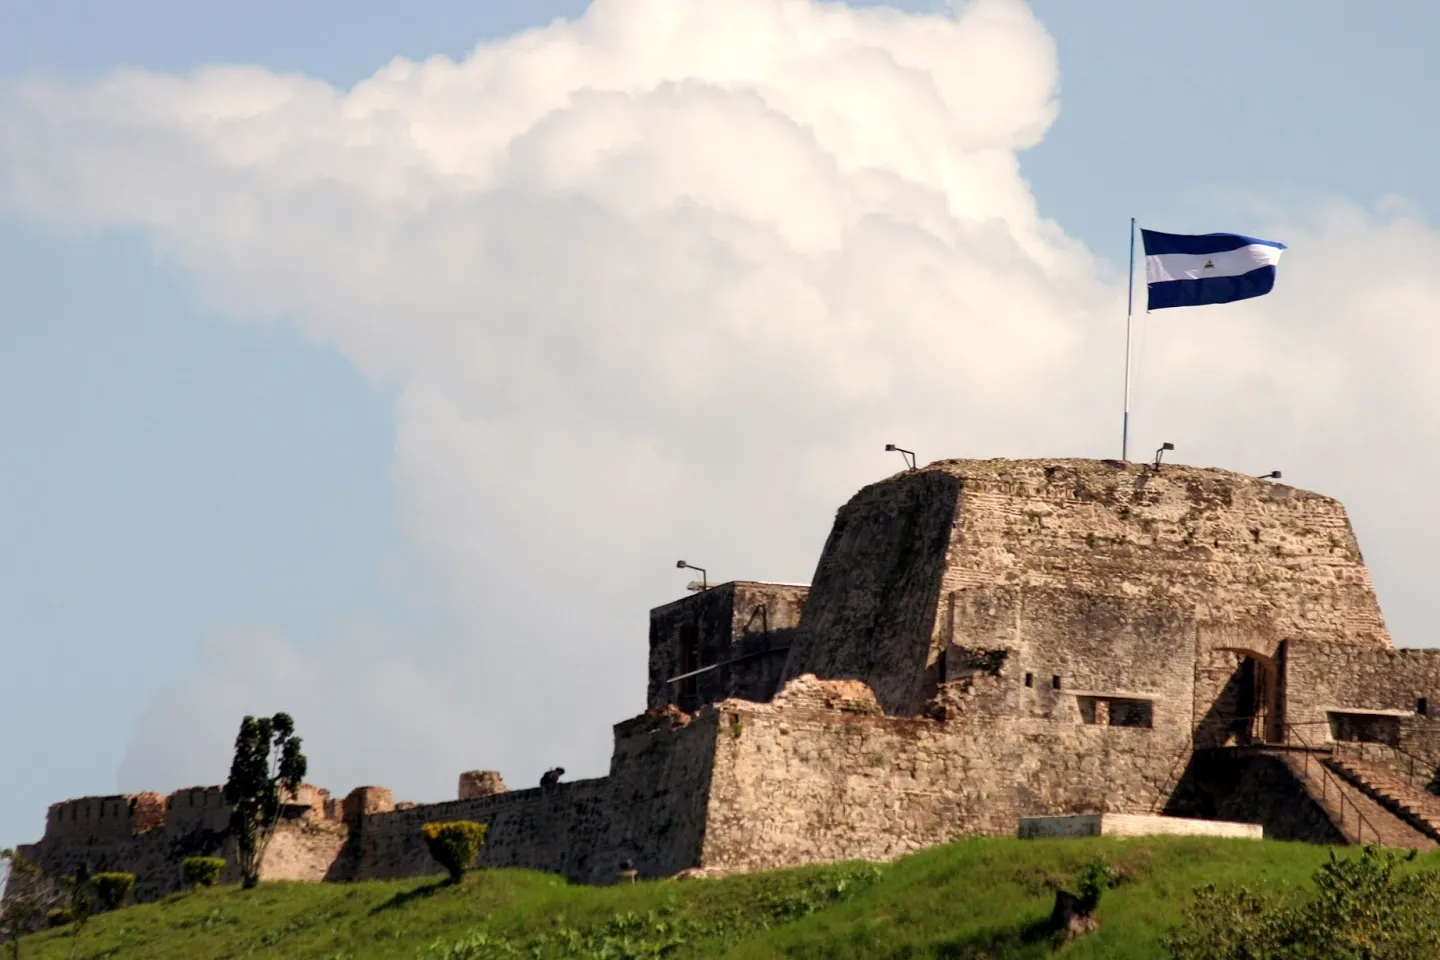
(1134, 825)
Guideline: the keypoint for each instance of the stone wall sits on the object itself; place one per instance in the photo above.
(480, 783)
(154, 857)
(196, 808)
(1062, 646)
(745, 625)
(1325, 678)
(305, 850)
(1251, 789)
(150, 835)
(1242, 564)
(651, 809)
(802, 780)
(103, 819)
(365, 801)
(871, 614)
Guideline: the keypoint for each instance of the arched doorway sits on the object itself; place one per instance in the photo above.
(1257, 716)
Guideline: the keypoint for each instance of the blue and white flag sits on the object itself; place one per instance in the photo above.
(1188, 271)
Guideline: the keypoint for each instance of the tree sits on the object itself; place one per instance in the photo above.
(1364, 908)
(454, 845)
(268, 764)
(77, 903)
(29, 896)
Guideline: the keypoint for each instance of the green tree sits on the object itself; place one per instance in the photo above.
(268, 765)
(29, 897)
(78, 903)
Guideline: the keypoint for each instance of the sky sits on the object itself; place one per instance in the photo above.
(375, 362)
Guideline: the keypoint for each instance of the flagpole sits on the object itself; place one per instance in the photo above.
(1129, 314)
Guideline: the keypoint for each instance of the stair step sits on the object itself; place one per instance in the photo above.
(1415, 807)
(1381, 824)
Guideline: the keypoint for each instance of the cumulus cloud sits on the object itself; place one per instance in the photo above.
(660, 282)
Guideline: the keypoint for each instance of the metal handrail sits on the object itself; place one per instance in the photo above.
(1411, 761)
(1326, 775)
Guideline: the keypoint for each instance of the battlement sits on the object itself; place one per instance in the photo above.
(367, 801)
(480, 783)
(186, 811)
(105, 818)
(196, 808)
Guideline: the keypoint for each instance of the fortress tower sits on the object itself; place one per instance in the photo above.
(983, 641)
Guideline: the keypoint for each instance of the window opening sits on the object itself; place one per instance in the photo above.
(1364, 728)
(1116, 712)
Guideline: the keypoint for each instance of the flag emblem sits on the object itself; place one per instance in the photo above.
(1193, 270)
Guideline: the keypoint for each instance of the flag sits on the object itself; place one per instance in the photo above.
(1188, 271)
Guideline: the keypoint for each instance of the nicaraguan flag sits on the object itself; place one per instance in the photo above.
(1187, 271)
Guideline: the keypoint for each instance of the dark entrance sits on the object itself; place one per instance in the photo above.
(1257, 702)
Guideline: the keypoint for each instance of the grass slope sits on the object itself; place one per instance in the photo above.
(976, 898)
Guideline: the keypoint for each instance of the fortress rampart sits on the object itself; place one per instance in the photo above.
(983, 641)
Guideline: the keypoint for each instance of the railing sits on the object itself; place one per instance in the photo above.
(1291, 738)
(1406, 762)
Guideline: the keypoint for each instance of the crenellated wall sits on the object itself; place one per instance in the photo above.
(103, 819)
(196, 808)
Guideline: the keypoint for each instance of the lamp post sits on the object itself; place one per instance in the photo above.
(1161, 452)
(907, 455)
(682, 565)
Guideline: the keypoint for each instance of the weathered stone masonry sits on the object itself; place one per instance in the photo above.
(982, 641)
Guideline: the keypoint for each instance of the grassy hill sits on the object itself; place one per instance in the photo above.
(977, 898)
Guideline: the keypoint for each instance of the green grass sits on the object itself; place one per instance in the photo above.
(977, 898)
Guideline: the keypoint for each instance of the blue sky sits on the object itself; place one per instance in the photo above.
(172, 473)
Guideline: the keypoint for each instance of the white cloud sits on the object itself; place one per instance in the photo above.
(660, 282)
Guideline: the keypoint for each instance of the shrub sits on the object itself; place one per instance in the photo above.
(59, 917)
(454, 845)
(112, 888)
(1097, 877)
(1363, 908)
(202, 871)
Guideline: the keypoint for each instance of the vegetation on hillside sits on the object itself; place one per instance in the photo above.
(454, 845)
(980, 898)
(268, 767)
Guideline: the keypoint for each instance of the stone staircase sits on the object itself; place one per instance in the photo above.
(1360, 816)
(1393, 790)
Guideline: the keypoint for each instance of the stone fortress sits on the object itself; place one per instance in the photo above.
(982, 641)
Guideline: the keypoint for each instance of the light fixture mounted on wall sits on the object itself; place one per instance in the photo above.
(908, 455)
(704, 582)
